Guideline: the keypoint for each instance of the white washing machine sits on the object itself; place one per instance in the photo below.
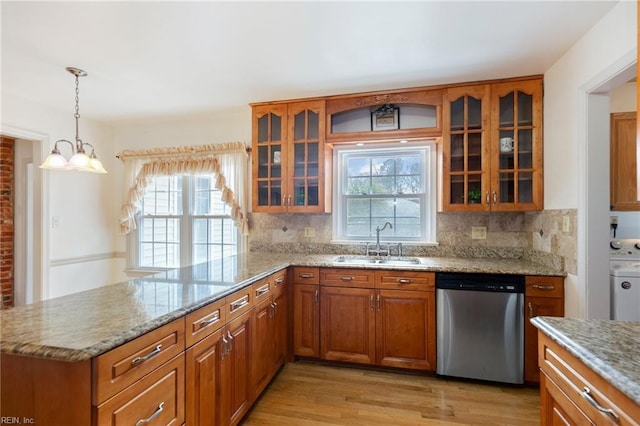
(624, 262)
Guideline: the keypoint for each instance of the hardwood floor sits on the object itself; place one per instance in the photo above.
(312, 394)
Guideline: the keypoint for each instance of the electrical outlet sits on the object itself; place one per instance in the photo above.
(478, 232)
(566, 224)
(309, 232)
(614, 220)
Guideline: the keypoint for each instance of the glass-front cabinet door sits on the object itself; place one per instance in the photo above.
(306, 157)
(516, 169)
(288, 157)
(269, 134)
(465, 149)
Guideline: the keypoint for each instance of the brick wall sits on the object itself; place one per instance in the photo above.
(6, 221)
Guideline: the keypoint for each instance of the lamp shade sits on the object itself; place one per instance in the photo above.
(80, 161)
(96, 165)
(54, 162)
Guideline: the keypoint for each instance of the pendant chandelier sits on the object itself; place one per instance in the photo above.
(79, 159)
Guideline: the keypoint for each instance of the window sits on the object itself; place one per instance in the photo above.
(389, 184)
(182, 221)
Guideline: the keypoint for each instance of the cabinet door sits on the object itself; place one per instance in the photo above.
(306, 320)
(405, 329)
(516, 146)
(624, 192)
(534, 307)
(281, 326)
(238, 362)
(269, 158)
(264, 347)
(306, 157)
(204, 378)
(465, 148)
(348, 324)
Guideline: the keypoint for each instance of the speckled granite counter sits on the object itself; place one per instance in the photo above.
(83, 325)
(610, 348)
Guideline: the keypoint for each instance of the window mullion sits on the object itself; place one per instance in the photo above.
(186, 225)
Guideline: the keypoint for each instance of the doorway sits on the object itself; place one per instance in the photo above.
(31, 243)
(594, 191)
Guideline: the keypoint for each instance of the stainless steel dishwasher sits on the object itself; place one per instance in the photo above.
(480, 326)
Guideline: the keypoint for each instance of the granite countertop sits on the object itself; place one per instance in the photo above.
(83, 325)
(610, 348)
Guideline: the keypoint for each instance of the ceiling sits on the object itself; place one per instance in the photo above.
(159, 59)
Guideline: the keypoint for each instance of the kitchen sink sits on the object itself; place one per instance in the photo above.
(363, 260)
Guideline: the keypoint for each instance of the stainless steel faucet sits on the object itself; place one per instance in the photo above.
(377, 251)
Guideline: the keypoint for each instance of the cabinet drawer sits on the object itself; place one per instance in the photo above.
(302, 275)
(126, 364)
(201, 323)
(239, 302)
(157, 398)
(279, 279)
(406, 280)
(580, 384)
(544, 286)
(262, 290)
(340, 277)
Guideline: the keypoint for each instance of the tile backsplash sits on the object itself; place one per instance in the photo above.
(538, 236)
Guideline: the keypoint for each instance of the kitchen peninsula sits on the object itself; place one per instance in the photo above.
(55, 353)
(590, 371)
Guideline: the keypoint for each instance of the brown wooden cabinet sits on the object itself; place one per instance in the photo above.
(270, 322)
(368, 317)
(288, 157)
(624, 189)
(570, 392)
(306, 312)
(544, 296)
(347, 324)
(405, 329)
(492, 147)
(237, 381)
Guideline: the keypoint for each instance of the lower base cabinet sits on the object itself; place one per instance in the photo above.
(384, 318)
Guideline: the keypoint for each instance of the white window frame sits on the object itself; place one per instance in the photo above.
(428, 151)
(186, 232)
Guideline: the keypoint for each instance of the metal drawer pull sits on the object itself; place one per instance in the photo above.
(587, 395)
(240, 303)
(262, 290)
(215, 318)
(153, 416)
(404, 281)
(530, 310)
(371, 302)
(347, 278)
(315, 297)
(305, 275)
(279, 281)
(137, 360)
(544, 287)
(378, 302)
(231, 338)
(275, 308)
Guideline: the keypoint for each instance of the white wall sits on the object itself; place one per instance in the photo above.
(81, 202)
(611, 41)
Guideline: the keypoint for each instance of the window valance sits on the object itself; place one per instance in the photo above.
(228, 161)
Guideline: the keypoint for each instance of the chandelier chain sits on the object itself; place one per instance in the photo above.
(77, 114)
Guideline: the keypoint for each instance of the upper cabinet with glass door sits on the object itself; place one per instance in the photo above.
(465, 148)
(492, 147)
(288, 157)
(516, 146)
